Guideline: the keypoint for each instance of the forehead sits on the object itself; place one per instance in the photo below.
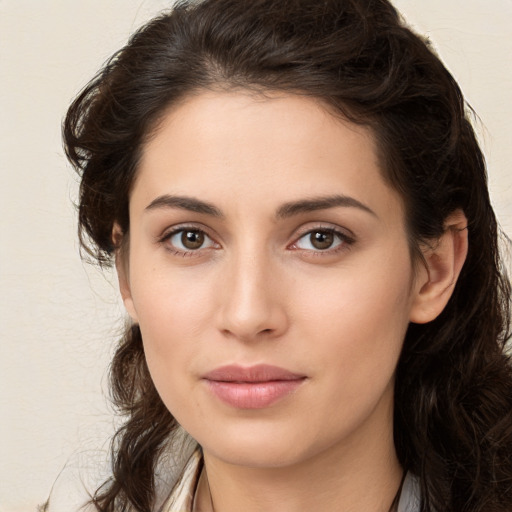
(233, 146)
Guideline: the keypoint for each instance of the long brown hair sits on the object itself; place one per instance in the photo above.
(453, 397)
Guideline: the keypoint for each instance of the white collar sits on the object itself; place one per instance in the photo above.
(181, 498)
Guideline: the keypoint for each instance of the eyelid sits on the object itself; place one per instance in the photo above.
(345, 235)
(325, 226)
(171, 231)
(183, 226)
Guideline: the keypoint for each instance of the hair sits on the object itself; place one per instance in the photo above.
(453, 393)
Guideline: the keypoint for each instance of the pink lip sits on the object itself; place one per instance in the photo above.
(253, 387)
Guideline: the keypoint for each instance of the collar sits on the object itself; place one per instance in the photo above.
(182, 495)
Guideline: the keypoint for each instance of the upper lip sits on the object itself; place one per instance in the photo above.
(257, 373)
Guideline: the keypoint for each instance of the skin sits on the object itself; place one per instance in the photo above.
(259, 291)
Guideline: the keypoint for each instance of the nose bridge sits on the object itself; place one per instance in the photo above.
(251, 304)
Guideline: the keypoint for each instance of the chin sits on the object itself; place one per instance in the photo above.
(259, 455)
(263, 446)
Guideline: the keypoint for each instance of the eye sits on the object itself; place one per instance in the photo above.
(321, 240)
(186, 240)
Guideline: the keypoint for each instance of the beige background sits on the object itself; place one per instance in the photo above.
(58, 318)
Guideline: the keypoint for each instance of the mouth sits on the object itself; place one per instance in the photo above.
(253, 387)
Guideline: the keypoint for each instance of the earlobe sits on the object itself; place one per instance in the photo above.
(122, 268)
(443, 263)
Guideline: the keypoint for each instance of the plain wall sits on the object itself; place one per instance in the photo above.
(58, 318)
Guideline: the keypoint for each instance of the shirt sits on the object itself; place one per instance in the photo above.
(182, 496)
(73, 488)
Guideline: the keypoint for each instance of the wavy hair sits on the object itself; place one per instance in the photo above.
(453, 396)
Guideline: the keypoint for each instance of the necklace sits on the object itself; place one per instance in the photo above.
(393, 507)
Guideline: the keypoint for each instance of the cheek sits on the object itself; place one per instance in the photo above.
(360, 318)
(169, 325)
(364, 296)
(174, 311)
(357, 326)
(169, 299)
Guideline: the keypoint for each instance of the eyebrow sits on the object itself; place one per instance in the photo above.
(184, 203)
(320, 203)
(285, 211)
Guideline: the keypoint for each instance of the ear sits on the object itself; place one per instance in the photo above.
(123, 271)
(436, 279)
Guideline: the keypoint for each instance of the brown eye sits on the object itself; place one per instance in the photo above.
(318, 240)
(321, 240)
(192, 239)
(188, 240)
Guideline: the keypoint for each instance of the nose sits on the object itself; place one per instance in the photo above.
(252, 305)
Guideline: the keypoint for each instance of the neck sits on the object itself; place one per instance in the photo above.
(359, 474)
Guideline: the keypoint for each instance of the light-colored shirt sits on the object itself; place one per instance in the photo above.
(182, 496)
(72, 490)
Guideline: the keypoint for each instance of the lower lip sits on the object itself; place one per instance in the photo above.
(253, 395)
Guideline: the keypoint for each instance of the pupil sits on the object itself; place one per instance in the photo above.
(322, 239)
(192, 239)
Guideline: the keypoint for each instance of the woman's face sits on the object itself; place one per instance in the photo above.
(269, 270)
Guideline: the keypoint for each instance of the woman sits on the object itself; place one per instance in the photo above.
(297, 208)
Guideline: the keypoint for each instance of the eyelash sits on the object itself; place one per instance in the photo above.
(344, 241)
(165, 240)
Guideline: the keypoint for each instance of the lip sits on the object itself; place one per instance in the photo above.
(253, 387)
